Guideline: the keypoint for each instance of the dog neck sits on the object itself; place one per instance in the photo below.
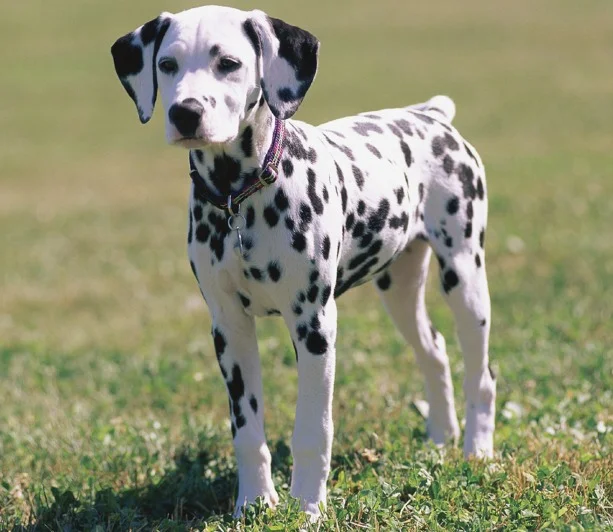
(224, 168)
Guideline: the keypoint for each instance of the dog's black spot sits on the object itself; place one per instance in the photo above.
(344, 199)
(297, 309)
(438, 146)
(250, 217)
(467, 178)
(404, 125)
(358, 230)
(399, 194)
(325, 295)
(452, 143)
(361, 257)
(406, 151)
(254, 404)
(449, 241)
(482, 238)
(394, 129)
(376, 221)
(365, 128)
(190, 230)
(240, 420)
(448, 164)
(274, 271)
(226, 171)
(423, 118)
(281, 201)
(355, 278)
(450, 280)
(347, 151)
(384, 282)
(477, 260)
(246, 302)
(203, 231)
(480, 189)
(271, 216)
(217, 245)
(325, 247)
(301, 331)
(219, 341)
(468, 231)
(316, 343)
(420, 191)
(366, 240)
(247, 141)
(199, 156)
(301, 297)
(306, 216)
(197, 212)
(359, 176)
(453, 205)
(374, 151)
(396, 222)
(349, 221)
(256, 273)
(469, 210)
(471, 154)
(289, 223)
(288, 167)
(312, 293)
(298, 242)
(316, 202)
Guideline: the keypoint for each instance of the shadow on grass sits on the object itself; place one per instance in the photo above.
(198, 488)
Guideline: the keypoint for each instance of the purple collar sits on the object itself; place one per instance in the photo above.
(253, 183)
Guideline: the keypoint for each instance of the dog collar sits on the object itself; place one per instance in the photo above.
(268, 175)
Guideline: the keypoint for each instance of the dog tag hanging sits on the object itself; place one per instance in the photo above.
(236, 222)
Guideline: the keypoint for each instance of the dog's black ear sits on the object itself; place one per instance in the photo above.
(288, 61)
(135, 56)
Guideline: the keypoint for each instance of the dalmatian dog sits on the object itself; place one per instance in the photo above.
(284, 217)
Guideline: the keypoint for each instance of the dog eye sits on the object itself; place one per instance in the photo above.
(227, 64)
(168, 65)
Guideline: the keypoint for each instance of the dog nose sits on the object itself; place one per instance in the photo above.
(186, 116)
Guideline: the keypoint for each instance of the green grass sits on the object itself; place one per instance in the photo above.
(113, 413)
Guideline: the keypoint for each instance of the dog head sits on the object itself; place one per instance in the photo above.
(213, 67)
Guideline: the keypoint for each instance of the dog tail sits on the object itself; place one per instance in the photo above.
(440, 105)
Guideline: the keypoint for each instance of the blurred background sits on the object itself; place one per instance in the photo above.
(103, 334)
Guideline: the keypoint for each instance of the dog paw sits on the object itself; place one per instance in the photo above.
(270, 498)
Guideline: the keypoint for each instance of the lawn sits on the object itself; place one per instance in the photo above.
(114, 415)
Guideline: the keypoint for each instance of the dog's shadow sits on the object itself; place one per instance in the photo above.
(198, 487)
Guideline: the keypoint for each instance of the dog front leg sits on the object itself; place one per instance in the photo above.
(314, 338)
(237, 353)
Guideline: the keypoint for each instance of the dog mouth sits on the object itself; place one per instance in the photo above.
(190, 142)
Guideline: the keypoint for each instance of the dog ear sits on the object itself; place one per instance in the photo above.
(288, 61)
(135, 56)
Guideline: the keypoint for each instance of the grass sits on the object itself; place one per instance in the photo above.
(113, 414)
